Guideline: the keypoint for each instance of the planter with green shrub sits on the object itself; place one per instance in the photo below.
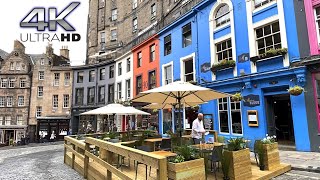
(223, 64)
(270, 53)
(268, 153)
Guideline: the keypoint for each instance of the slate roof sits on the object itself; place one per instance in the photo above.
(3, 54)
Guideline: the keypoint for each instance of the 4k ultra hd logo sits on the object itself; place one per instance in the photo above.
(37, 19)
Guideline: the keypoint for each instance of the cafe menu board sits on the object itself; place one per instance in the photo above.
(208, 121)
(253, 118)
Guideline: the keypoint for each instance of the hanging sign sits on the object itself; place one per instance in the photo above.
(205, 67)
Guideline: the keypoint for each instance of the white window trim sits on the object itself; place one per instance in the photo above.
(19, 101)
(212, 29)
(117, 92)
(263, 6)
(252, 26)
(126, 90)
(39, 75)
(163, 74)
(182, 60)
(317, 26)
(224, 133)
(235, 134)
(64, 101)
(53, 102)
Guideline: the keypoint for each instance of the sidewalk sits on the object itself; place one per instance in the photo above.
(303, 161)
(32, 145)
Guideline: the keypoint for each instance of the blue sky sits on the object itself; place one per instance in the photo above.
(13, 11)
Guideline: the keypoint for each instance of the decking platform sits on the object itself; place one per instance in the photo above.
(96, 171)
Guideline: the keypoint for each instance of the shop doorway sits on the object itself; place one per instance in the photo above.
(279, 117)
(9, 134)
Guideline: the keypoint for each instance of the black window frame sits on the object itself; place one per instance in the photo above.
(152, 83)
(167, 45)
(186, 32)
(92, 75)
(100, 98)
(90, 99)
(111, 71)
(102, 74)
(111, 93)
(77, 102)
(80, 80)
(139, 88)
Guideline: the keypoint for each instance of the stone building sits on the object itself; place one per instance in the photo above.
(15, 86)
(114, 26)
(50, 95)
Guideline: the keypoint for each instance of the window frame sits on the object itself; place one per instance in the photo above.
(139, 88)
(153, 10)
(119, 68)
(227, 50)
(186, 32)
(99, 94)
(119, 90)
(114, 34)
(92, 75)
(114, 14)
(11, 82)
(38, 111)
(21, 101)
(134, 24)
(78, 97)
(4, 82)
(111, 71)
(152, 49)
(139, 59)
(167, 45)
(152, 83)
(40, 91)
(41, 75)
(8, 118)
(272, 34)
(80, 75)
(102, 74)
(10, 101)
(67, 78)
(91, 97)
(111, 93)
(23, 82)
(66, 101)
(128, 65)
(102, 37)
(19, 121)
(184, 69)
(3, 101)
(55, 101)
(128, 89)
(217, 25)
(165, 78)
(262, 3)
(56, 81)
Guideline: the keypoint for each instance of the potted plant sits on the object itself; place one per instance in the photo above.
(270, 53)
(114, 137)
(295, 90)
(186, 165)
(239, 155)
(236, 97)
(269, 153)
(223, 64)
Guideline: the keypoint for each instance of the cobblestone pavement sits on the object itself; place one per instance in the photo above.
(33, 163)
(299, 175)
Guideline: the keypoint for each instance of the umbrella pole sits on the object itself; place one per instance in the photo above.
(179, 120)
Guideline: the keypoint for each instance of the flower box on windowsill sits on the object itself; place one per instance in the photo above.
(222, 65)
(269, 54)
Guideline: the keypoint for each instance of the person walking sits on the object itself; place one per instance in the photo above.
(197, 129)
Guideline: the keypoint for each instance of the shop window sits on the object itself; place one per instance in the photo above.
(222, 15)
(230, 116)
(91, 95)
(101, 94)
(186, 35)
(102, 74)
(259, 3)
(92, 76)
(167, 120)
(188, 70)
(111, 93)
(168, 74)
(79, 96)
(139, 84)
(80, 77)
(224, 50)
(268, 37)
(167, 45)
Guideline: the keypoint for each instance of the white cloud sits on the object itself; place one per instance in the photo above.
(13, 11)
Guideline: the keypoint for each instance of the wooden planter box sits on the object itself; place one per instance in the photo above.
(271, 159)
(187, 170)
(240, 165)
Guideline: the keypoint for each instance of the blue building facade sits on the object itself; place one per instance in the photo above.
(261, 40)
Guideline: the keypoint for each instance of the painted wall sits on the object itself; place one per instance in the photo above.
(146, 66)
(125, 75)
(311, 23)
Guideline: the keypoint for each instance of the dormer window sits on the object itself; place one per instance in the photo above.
(222, 15)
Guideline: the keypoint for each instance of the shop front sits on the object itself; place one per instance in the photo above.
(52, 128)
(266, 108)
(12, 134)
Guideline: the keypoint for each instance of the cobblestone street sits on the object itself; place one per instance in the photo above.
(46, 163)
(43, 162)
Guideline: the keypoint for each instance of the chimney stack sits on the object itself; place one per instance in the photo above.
(49, 50)
(18, 46)
(64, 51)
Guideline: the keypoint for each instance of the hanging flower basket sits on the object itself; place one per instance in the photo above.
(296, 90)
(237, 97)
(224, 64)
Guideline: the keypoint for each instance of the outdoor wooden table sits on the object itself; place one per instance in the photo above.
(127, 142)
(152, 142)
(207, 146)
(164, 153)
(211, 132)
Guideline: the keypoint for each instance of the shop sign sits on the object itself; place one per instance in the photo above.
(205, 67)
(251, 100)
(243, 57)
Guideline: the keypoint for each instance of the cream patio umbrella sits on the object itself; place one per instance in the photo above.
(179, 92)
(168, 106)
